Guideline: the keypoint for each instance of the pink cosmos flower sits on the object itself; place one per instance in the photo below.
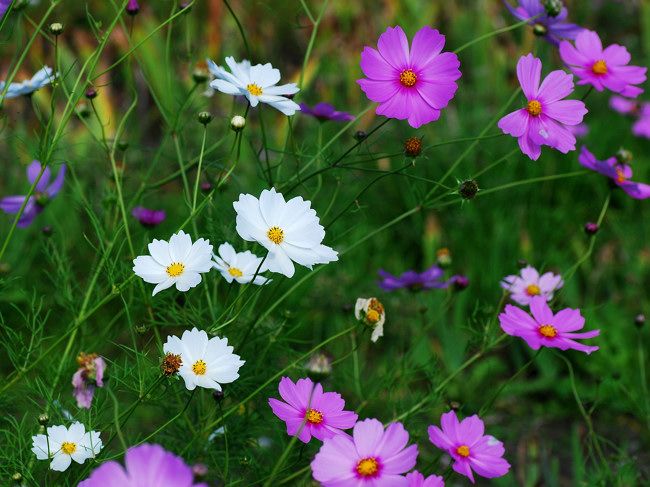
(579, 131)
(545, 329)
(469, 447)
(529, 283)
(641, 110)
(308, 411)
(372, 457)
(617, 171)
(602, 68)
(89, 376)
(416, 479)
(544, 119)
(414, 85)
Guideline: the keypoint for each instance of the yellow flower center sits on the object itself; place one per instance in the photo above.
(407, 78)
(276, 235)
(234, 272)
(254, 89)
(68, 448)
(175, 269)
(314, 417)
(372, 316)
(463, 450)
(599, 67)
(199, 367)
(367, 467)
(533, 290)
(620, 175)
(548, 331)
(534, 108)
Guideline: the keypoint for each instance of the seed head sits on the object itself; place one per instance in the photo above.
(468, 189)
(413, 146)
(171, 364)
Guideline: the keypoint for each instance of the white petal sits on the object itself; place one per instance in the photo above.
(288, 89)
(148, 269)
(61, 462)
(225, 87)
(227, 252)
(279, 262)
(286, 106)
(179, 246)
(163, 285)
(272, 207)
(188, 280)
(159, 250)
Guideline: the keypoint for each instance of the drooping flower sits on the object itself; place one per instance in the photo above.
(241, 267)
(319, 365)
(529, 283)
(206, 362)
(471, 450)
(372, 456)
(552, 28)
(41, 78)
(63, 445)
(147, 217)
(89, 376)
(640, 110)
(602, 68)
(177, 262)
(43, 193)
(544, 119)
(257, 83)
(371, 312)
(619, 172)
(289, 230)
(415, 84)
(324, 112)
(545, 329)
(308, 411)
(416, 479)
(432, 278)
(145, 465)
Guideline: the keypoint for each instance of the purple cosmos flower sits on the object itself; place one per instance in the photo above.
(641, 110)
(43, 192)
(146, 464)
(618, 172)
(308, 411)
(529, 283)
(416, 479)
(414, 85)
(132, 8)
(148, 218)
(602, 68)
(469, 447)
(544, 118)
(372, 456)
(579, 131)
(429, 279)
(545, 329)
(89, 376)
(324, 112)
(553, 29)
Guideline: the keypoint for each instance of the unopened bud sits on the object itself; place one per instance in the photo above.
(639, 320)
(591, 228)
(218, 396)
(205, 118)
(43, 419)
(460, 282)
(56, 28)
(91, 93)
(468, 189)
(17, 477)
(443, 257)
(624, 156)
(540, 30)
(200, 75)
(553, 7)
(132, 8)
(360, 135)
(237, 123)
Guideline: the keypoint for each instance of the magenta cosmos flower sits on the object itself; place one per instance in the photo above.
(308, 411)
(147, 217)
(552, 28)
(145, 465)
(640, 110)
(89, 376)
(469, 447)
(429, 279)
(545, 329)
(544, 119)
(415, 84)
(529, 283)
(602, 68)
(416, 479)
(617, 171)
(324, 112)
(371, 457)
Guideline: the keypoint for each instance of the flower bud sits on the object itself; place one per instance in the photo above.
(17, 478)
(5, 268)
(591, 228)
(521, 263)
(454, 405)
(132, 8)
(171, 364)
(639, 320)
(360, 135)
(43, 419)
(237, 123)
(47, 230)
(205, 118)
(122, 145)
(218, 396)
(413, 146)
(624, 156)
(319, 366)
(553, 7)
(56, 28)
(83, 111)
(468, 189)
(200, 470)
(200, 75)
(443, 257)
(460, 282)
(91, 93)
(540, 30)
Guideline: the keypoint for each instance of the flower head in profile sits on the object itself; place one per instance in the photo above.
(471, 449)
(640, 110)
(257, 83)
(544, 119)
(43, 193)
(602, 68)
(88, 376)
(553, 28)
(147, 217)
(177, 262)
(241, 267)
(41, 78)
(528, 284)
(205, 362)
(416, 479)
(619, 172)
(545, 329)
(289, 230)
(62, 445)
(308, 411)
(410, 84)
(371, 312)
(145, 465)
(373, 456)
(579, 131)
(325, 112)
(432, 278)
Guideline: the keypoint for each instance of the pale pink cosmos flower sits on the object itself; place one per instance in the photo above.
(416, 479)
(529, 283)
(544, 119)
(89, 376)
(619, 172)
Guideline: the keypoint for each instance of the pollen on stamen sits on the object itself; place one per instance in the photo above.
(276, 235)
(368, 467)
(463, 451)
(620, 175)
(533, 290)
(234, 272)
(408, 78)
(199, 367)
(548, 331)
(599, 67)
(68, 447)
(175, 269)
(314, 417)
(254, 89)
(534, 107)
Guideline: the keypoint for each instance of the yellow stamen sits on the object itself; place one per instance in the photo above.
(620, 175)
(234, 272)
(314, 417)
(199, 367)
(533, 290)
(276, 235)
(599, 67)
(68, 448)
(175, 269)
(408, 78)
(254, 89)
(463, 451)
(367, 467)
(548, 331)
(372, 316)
(534, 108)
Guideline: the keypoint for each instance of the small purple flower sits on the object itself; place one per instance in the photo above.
(460, 282)
(132, 8)
(148, 218)
(43, 192)
(324, 112)
(553, 29)
(432, 278)
(617, 172)
(89, 376)
(640, 110)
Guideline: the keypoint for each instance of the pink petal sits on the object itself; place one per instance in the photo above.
(439, 438)
(463, 468)
(515, 123)
(394, 47)
(427, 44)
(571, 56)
(557, 85)
(588, 43)
(375, 67)
(400, 462)
(442, 69)
(529, 71)
(379, 91)
(393, 441)
(616, 55)
(568, 320)
(639, 191)
(569, 112)
(541, 311)
(528, 147)
(367, 435)
(471, 429)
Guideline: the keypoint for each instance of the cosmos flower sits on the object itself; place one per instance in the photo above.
(257, 83)
(289, 230)
(544, 119)
(429, 279)
(41, 78)
(471, 450)
(372, 456)
(619, 172)
(145, 464)
(177, 262)
(89, 376)
(416, 479)
(148, 218)
(551, 28)
(324, 112)
(206, 362)
(415, 84)
(602, 68)
(308, 411)
(640, 110)
(371, 312)
(63, 445)
(545, 329)
(239, 266)
(579, 131)
(43, 193)
(529, 283)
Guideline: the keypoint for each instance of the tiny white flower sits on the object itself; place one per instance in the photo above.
(178, 262)
(289, 230)
(63, 445)
(257, 83)
(207, 362)
(41, 78)
(372, 313)
(239, 266)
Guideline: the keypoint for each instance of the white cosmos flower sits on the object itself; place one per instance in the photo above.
(257, 83)
(239, 266)
(41, 78)
(206, 362)
(63, 445)
(289, 230)
(178, 261)
(372, 313)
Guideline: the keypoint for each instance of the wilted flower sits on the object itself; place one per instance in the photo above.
(553, 28)
(241, 267)
(319, 365)
(148, 218)
(618, 172)
(529, 283)
(89, 375)
(325, 112)
(371, 312)
(413, 146)
(468, 189)
(416, 479)
(41, 78)
(432, 278)
(171, 364)
(63, 445)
